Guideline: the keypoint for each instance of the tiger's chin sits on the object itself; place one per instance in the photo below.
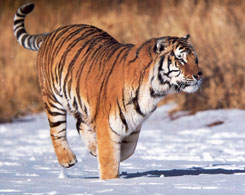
(190, 89)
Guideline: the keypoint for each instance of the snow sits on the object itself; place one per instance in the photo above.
(182, 156)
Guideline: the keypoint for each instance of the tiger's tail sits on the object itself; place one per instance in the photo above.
(32, 42)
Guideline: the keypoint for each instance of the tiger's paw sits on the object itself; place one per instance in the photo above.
(66, 158)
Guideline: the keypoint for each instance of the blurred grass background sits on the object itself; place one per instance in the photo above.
(216, 26)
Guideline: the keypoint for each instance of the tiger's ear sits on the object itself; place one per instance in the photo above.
(160, 45)
(187, 37)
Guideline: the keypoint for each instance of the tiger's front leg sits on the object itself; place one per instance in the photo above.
(57, 123)
(109, 146)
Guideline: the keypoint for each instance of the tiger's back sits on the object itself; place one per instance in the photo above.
(75, 58)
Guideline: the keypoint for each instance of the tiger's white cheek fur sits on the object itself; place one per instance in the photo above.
(175, 79)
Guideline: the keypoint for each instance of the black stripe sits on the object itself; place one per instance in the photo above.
(69, 86)
(85, 110)
(122, 117)
(54, 99)
(57, 137)
(53, 113)
(161, 61)
(196, 60)
(115, 132)
(134, 133)
(178, 74)
(159, 76)
(137, 107)
(29, 41)
(169, 63)
(33, 43)
(56, 75)
(23, 40)
(78, 123)
(177, 45)
(56, 113)
(75, 106)
(79, 118)
(20, 32)
(124, 141)
(16, 28)
(52, 105)
(78, 76)
(156, 95)
(180, 48)
(126, 53)
(136, 104)
(173, 71)
(160, 68)
(18, 21)
(138, 50)
(103, 57)
(20, 15)
(63, 130)
(182, 61)
(174, 40)
(55, 124)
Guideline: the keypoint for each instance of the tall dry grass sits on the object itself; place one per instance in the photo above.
(217, 28)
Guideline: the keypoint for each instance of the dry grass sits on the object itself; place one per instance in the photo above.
(216, 26)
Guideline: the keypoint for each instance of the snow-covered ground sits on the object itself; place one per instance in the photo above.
(182, 156)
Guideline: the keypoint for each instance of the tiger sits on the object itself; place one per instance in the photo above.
(109, 87)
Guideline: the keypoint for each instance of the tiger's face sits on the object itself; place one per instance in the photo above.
(176, 66)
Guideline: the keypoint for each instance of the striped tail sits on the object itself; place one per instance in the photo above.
(32, 42)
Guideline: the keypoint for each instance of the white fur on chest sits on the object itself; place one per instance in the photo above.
(133, 119)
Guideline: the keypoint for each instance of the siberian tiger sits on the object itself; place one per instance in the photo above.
(111, 88)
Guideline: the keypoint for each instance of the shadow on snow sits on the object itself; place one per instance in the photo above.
(180, 172)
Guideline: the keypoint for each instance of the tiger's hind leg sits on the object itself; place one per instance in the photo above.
(57, 122)
(88, 135)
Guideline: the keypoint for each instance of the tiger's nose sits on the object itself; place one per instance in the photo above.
(198, 76)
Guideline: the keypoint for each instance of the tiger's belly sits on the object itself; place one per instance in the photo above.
(128, 145)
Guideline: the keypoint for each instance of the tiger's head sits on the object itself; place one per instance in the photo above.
(175, 67)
